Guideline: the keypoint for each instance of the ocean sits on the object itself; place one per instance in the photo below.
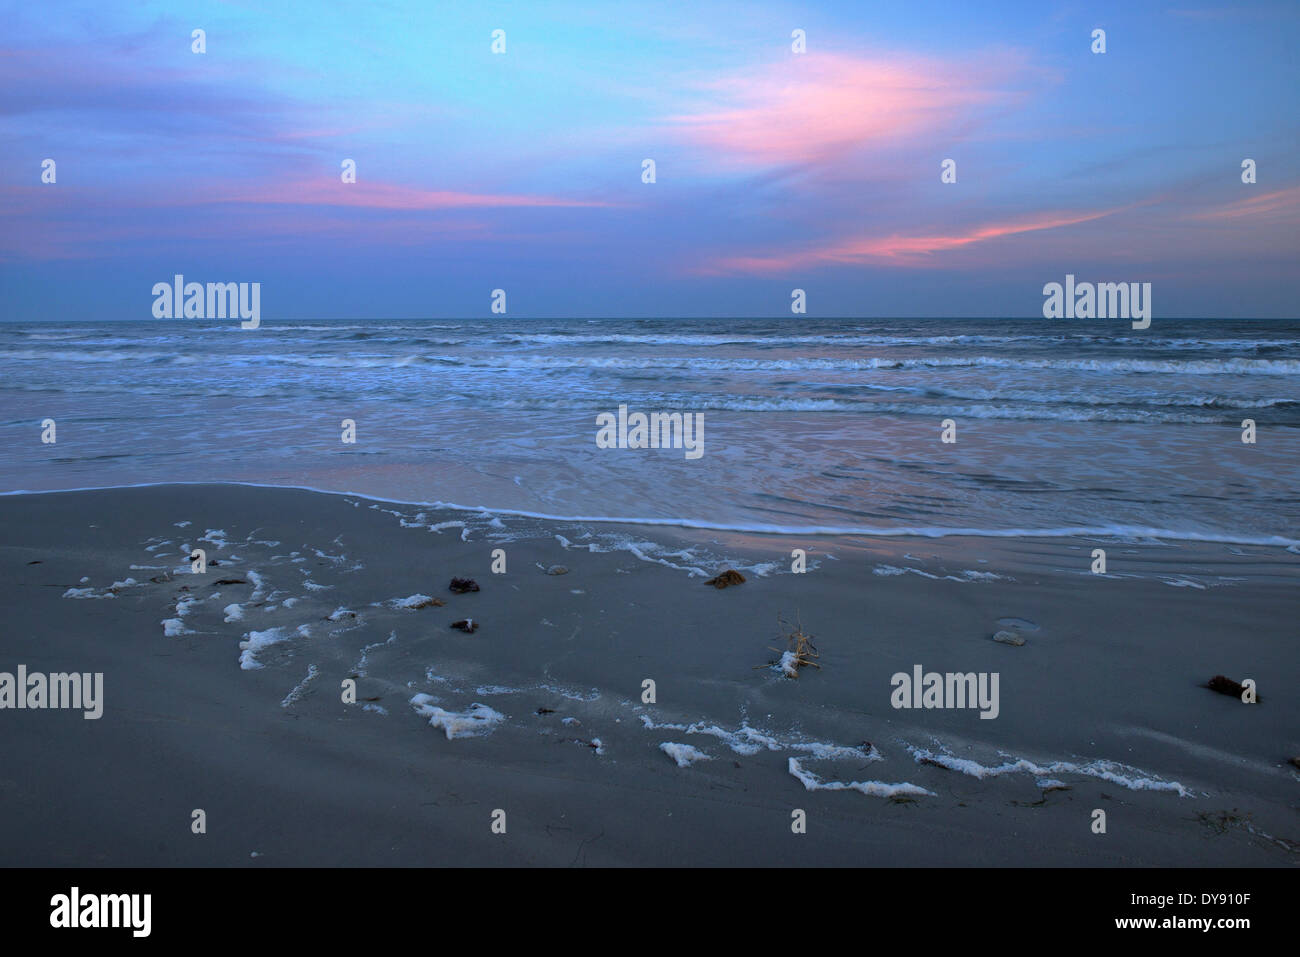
(810, 426)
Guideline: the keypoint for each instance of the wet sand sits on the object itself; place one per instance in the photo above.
(1103, 697)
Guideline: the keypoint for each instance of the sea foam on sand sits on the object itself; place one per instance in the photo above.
(1134, 780)
(255, 641)
(479, 719)
(872, 788)
(683, 754)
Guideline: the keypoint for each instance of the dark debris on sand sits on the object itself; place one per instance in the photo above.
(1225, 685)
(728, 577)
(461, 585)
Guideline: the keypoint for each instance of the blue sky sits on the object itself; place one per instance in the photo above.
(523, 170)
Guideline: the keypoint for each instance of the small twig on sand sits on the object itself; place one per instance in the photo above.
(800, 650)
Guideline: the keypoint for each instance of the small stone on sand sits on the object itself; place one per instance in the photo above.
(1009, 638)
(557, 570)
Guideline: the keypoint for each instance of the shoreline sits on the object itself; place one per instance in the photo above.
(1199, 549)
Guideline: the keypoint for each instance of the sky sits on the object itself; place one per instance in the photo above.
(523, 170)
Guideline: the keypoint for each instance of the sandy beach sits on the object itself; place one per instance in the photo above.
(223, 691)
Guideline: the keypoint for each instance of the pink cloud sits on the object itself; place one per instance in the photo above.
(1256, 206)
(69, 222)
(325, 192)
(814, 107)
(49, 240)
(894, 249)
(378, 195)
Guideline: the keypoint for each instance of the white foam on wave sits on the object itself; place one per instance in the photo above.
(1124, 532)
(1217, 366)
(1142, 533)
(646, 551)
(966, 575)
(1044, 411)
